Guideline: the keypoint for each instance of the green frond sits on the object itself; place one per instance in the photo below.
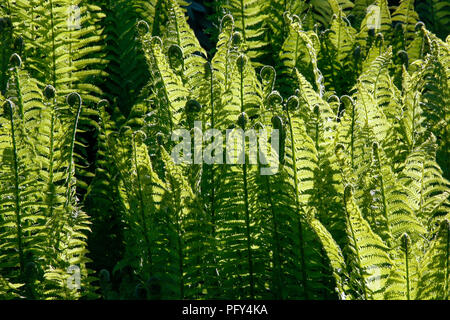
(228, 41)
(278, 16)
(302, 169)
(334, 255)
(192, 241)
(434, 270)
(427, 189)
(335, 58)
(189, 61)
(171, 93)
(249, 19)
(390, 213)
(412, 127)
(243, 95)
(299, 51)
(402, 282)
(370, 115)
(407, 17)
(369, 255)
(124, 54)
(435, 14)
(371, 25)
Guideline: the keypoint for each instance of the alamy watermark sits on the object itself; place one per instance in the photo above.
(260, 151)
(73, 17)
(374, 17)
(74, 280)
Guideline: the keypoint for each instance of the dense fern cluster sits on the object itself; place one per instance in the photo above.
(93, 206)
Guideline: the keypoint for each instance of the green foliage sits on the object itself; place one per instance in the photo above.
(435, 14)
(43, 226)
(93, 205)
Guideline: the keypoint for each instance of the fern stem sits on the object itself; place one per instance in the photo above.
(297, 207)
(446, 272)
(70, 158)
(407, 270)
(422, 180)
(50, 185)
(180, 260)
(179, 244)
(212, 120)
(53, 45)
(216, 280)
(383, 194)
(241, 73)
(243, 19)
(276, 239)
(352, 137)
(248, 233)
(247, 211)
(19, 93)
(18, 202)
(142, 207)
(358, 257)
(413, 129)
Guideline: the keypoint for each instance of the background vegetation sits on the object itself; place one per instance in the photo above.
(358, 210)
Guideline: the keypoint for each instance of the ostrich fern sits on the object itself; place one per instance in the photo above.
(93, 205)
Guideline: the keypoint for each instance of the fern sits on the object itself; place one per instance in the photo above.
(435, 15)
(301, 166)
(47, 217)
(299, 52)
(368, 252)
(124, 55)
(172, 95)
(427, 188)
(249, 19)
(405, 15)
(433, 283)
(353, 204)
(338, 49)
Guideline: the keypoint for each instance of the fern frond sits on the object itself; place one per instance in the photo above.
(243, 95)
(125, 56)
(369, 255)
(335, 59)
(171, 93)
(189, 61)
(369, 27)
(435, 14)
(334, 255)
(301, 166)
(192, 245)
(389, 197)
(249, 19)
(299, 51)
(427, 189)
(407, 17)
(434, 271)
